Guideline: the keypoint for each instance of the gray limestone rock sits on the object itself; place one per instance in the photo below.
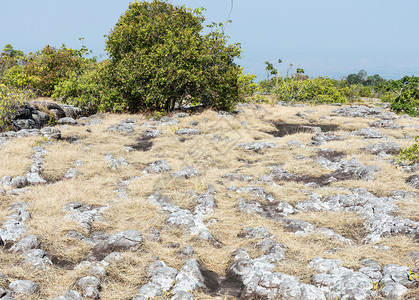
(256, 146)
(162, 279)
(25, 244)
(186, 172)
(393, 273)
(393, 290)
(323, 137)
(115, 163)
(12, 230)
(122, 127)
(70, 295)
(413, 181)
(151, 132)
(322, 265)
(368, 133)
(188, 131)
(37, 258)
(67, 121)
(126, 240)
(255, 233)
(186, 251)
(188, 279)
(112, 257)
(89, 286)
(88, 281)
(25, 287)
(298, 226)
(51, 133)
(384, 124)
(158, 166)
(182, 218)
(358, 111)
(354, 169)
(154, 235)
(19, 182)
(388, 148)
(205, 205)
(249, 207)
(71, 173)
(168, 121)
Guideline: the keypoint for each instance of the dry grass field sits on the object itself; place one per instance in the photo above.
(214, 153)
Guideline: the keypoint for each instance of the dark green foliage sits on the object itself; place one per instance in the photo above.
(407, 100)
(159, 58)
(9, 58)
(10, 101)
(315, 90)
(410, 154)
(84, 88)
(43, 70)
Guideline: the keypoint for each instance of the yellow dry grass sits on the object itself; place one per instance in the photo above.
(16, 156)
(96, 184)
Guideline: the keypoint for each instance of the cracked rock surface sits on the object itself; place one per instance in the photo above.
(211, 205)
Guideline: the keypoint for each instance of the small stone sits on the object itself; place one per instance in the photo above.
(368, 133)
(186, 251)
(256, 146)
(25, 244)
(88, 281)
(25, 287)
(67, 121)
(255, 233)
(393, 290)
(19, 182)
(98, 271)
(186, 172)
(154, 235)
(413, 181)
(129, 239)
(113, 257)
(52, 133)
(188, 131)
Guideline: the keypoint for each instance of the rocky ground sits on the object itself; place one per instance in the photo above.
(273, 202)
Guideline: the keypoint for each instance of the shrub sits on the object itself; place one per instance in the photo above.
(9, 58)
(43, 70)
(267, 86)
(83, 90)
(159, 58)
(10, 101)
(410, 154)
(316, 90)
(247, 87)
(408, 99)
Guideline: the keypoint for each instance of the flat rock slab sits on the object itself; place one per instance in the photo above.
(188, 131)
(256, 146)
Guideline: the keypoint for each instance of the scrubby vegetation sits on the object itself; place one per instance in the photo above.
(411, 153)
(159, 58)
(10, 101)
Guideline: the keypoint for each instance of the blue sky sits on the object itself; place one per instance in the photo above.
(324, 37)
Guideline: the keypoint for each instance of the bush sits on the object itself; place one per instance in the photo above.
(9, 58)
(159, 58)
(43, 70)
(10, 101)
(316, 90)
(83, 90)
(410, 154)
(247, 87)
(408, 99)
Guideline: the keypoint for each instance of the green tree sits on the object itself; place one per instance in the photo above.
(10, 57)
(159, 57)
(43, 70)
